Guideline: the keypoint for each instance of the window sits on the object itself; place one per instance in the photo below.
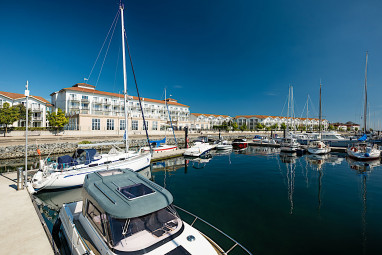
(96, 124)
(84, 106)
(85, 97)
(143, 125)
(155, 125)
(134, 125)
(122, 124)
(96, 217)
(110, 124)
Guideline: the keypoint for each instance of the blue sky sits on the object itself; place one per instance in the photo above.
(221, 57)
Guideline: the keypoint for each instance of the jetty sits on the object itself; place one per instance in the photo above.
(22, 231)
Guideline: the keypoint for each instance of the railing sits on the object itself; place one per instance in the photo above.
(221, 232)
(37, 109)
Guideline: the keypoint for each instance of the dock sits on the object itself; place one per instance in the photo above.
(333, 149)
(157, 156)
(22, 231)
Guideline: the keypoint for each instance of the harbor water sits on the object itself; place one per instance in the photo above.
(271, 203)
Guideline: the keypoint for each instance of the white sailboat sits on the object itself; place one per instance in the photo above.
(70, 171)
(364, 150)
(319, 147)
(290, 144)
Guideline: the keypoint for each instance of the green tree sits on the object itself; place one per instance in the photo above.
(275, 126)
(8, 115)
(356, 129)
(234, 126)
(283, 126)
(259, 126)
(268, 128)
(57, 120)
(331, 127)
(243, 127)
(22, 113)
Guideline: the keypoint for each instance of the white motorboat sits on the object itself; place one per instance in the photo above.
(289, 145)
(125, 213)
(70, 171)
(198, 149)
(161, 148)
(318, 147)
(364, 151)
(223, 145)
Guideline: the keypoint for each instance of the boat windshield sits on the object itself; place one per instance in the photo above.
(138, 233)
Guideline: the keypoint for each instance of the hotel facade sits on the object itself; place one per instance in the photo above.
(91, 110)
(203, 121)
(37, 105)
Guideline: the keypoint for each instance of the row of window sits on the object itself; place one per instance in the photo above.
(96, 124)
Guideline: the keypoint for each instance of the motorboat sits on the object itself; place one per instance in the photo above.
(223, 145)
(122, 212)
(70, 171)
(158, 147)
(198, 149)
(257, 139)
(289, 145)
(318, 147)
(363, 151)
(263, 140)
(240, 143)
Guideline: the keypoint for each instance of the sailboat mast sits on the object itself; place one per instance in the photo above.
(288, 111)
(124, 77)
(320, 109)
(365, 107)
(307, 111)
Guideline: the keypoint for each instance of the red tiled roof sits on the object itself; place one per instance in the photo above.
(18, 96)
(93, 91)
(207, 115)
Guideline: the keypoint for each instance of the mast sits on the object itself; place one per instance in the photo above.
(365, 107)
(124, 77)
(307, 111)
(287, 127)
(26, 134)
(320, 115)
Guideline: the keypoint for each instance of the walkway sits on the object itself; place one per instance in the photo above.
(21, 229)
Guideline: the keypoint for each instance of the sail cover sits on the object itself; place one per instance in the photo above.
(158, 142)
(362, 138)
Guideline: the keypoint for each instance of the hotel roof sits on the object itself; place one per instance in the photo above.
(15, 96)
(94, 91)
(208, 115)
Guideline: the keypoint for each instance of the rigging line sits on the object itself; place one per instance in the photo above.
(139, 97)
(286, 99)
(107, 50)
(99, 53)
(116, 68)
(314, 108)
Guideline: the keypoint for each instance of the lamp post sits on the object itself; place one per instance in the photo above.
(26, 134)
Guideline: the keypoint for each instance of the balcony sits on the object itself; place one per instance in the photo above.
(74, 107)
(96, 101)
(84, 111)
(39, 118)
(37, 109)
(85, 100)
(73, 99)
(106, 102)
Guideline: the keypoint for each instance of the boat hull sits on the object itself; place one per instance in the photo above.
(315, 150)
(76, 177)
(362, 155)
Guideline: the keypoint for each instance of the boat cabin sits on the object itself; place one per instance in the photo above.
(80, 156)
(130, 213)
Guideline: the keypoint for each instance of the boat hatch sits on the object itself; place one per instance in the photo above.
(135, 191)
(110, 172)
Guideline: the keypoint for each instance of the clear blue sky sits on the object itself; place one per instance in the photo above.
(222, 57)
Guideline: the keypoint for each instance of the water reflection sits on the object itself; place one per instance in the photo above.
(289, 159)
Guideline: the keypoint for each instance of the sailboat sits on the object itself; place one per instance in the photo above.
(290, 144)
(318, 146)
(364, 150)
(158, 146)
(70, 171)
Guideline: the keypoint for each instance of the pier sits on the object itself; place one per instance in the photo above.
(22, 231)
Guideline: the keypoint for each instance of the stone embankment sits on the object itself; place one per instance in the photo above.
(18, 151)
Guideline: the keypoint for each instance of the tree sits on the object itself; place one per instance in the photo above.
(356, 129)
(235, 126)
(275, 126)
(243, 127)
(22, 113)
(57, 120)
(283, 126)
(268, 128)
(8, 115)
(259, 126)
(331, 127)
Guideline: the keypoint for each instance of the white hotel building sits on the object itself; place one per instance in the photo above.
(252, 120)
(38, 106)
(91, 110)
(203, 121)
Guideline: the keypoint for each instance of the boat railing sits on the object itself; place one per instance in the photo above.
(235, 243)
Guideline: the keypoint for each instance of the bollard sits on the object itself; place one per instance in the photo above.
(20, 175)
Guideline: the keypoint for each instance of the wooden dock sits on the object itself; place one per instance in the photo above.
(22, 231)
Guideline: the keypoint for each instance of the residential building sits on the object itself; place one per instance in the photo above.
(202, 121)
(38, 105)
(348, 126)
(91, 109)
(251, 121)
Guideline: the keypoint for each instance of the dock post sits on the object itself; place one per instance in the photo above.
(185, 137)
(20, 184)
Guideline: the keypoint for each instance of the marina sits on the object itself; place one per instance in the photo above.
(281, 199)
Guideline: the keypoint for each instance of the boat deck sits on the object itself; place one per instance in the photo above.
(85, 237)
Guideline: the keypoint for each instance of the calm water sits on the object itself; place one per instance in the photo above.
(272, 203)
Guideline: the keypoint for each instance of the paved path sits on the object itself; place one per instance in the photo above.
(21, 229)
